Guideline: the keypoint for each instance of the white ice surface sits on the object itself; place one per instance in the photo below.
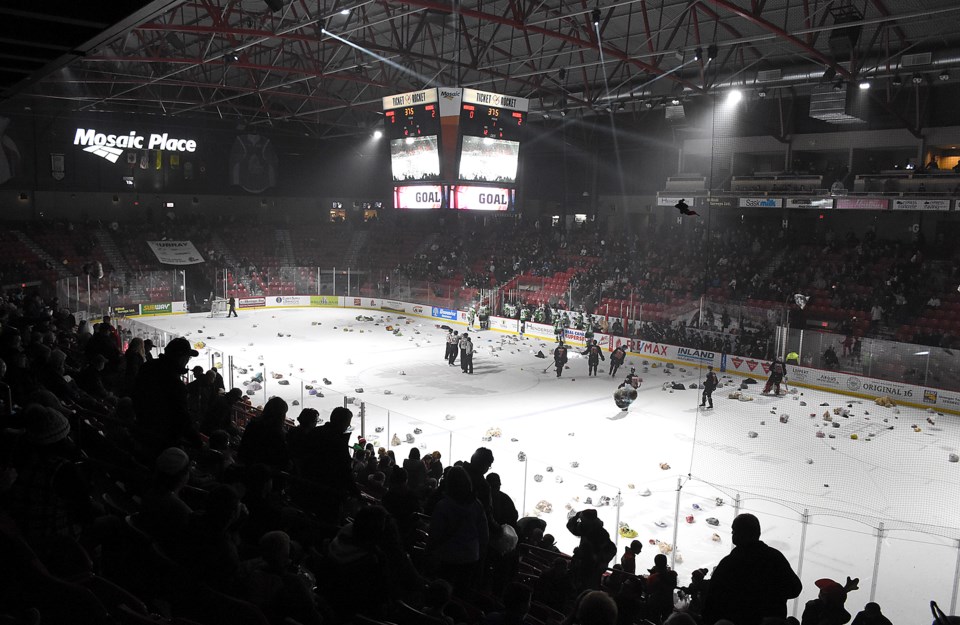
(850, 486)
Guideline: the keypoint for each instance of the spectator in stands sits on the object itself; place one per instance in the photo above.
(436, 601)
(871, 614)
(593, 607)
(327, 466)
(133, 359)
(272, 583)
(593, 554)
(296, 436)
(661, 583)
(517, 599)
(416, 471)
(163, 515)
(628, 561)
(264, 440)
(751, 583)
(504, 510)
(828, 608)
(264, 512)
(207, 547)
(402, 504)
(220, 414)
(160, 400)
(458, 531)
(50, 499)
(148, 350)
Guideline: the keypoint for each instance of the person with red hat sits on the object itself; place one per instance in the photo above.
(827, 608)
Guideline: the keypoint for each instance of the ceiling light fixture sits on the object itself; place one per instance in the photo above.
(897, 80)
(762, 93)
(698, 54)
(864, 85)
(712, 52)
(917, 79)
(944, 75)
(838, 86)
(595, 15)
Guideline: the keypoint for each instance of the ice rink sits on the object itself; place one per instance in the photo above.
(836, 506)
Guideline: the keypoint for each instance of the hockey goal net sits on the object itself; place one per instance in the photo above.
(219, 307)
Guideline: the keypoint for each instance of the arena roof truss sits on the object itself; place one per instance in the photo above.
(323, 67)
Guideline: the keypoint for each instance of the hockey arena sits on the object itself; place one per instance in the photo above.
(420, 312)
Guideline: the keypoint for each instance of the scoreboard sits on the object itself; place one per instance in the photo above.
(491, 127)
(455, 148)
(412, 125)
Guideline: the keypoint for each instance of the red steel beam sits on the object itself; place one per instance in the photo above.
(779, 32)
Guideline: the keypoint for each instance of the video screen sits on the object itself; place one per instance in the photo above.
(483, 159)
(465, 197)
(415, 158)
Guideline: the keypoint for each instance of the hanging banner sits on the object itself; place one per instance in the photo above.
(175, 252)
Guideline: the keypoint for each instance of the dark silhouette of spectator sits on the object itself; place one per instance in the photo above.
(828, 608)
(628, 561)
(871, 614)
(416, 471)
(160, 400)
(133, 359)
(220, 414)
(830, 359)
(517, 599)
(753, 582)
(327, 467)
(504, 510)
(661, 582)
(402, 504)
(555, 586)
(297, 436)
(272, 583)
(207, 547)
(593, 607)
(458, 531)
(697, 591)
(593, 554)
(163, 514)
(264, 440)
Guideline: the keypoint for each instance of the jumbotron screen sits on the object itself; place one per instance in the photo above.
(483, 159)
(412, 125)
(491, 130)
(415, 159)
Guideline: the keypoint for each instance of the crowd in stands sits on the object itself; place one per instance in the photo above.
(134, 490)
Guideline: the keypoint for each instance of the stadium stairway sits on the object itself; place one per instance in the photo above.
(41, 253)
(112, 252)
(286, 246)
(358, 243)
(221, 246)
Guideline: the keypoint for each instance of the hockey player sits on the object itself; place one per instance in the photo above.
(616, 359)
(524, 317)
(471, 315)
(540, 315)
(558, 328)
(588, 329)
(777, 371)
(454, 340)
(578, 321)
(633, 380)
(710, 384)
(565, 320)
(560, 357)
(594, 355)
(484, 316)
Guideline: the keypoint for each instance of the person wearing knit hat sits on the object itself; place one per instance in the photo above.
(45, 426)
(163, 514)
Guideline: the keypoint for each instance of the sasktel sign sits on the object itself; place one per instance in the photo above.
(111, 147)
